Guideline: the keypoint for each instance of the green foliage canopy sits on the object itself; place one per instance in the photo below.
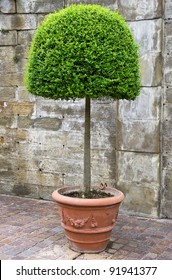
(83, 51)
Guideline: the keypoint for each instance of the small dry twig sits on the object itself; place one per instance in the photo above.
(103, 186)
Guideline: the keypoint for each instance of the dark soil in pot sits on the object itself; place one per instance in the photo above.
(91, 195)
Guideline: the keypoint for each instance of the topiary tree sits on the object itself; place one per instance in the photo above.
(84, 51)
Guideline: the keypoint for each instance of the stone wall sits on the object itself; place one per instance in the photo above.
(138, 126)
(41, 141)
(166, 202)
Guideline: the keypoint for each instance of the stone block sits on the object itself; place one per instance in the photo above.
(24, 163)
(52, 124)
(41, 17)
(166, 209)
(168, 44)
(61, 165)
(51, 145)
(168, 94)
(138, 10)
(22, 95)
(22, 108)
(38, 178)
(103, 164)
(168, 77)
(140, 199)
(141, 168)
(148, 34)
(167, 144)
(12, 59)
(168, 67)
(18, 22)
(7, 136)
(15, 108)
(167, 161)
(10, 135)
(151, 69)
(63, 154)
(61, 109)
(101, 141)
(8, 38)
(108, 3)
(167, 128)
(103, 117)
(168, 62)
(71, 179)
(41, 6)
(25, 190)
(138, 178)
(167, 111)
(5, 164)
(45, 192)
(168, 28)
(145, 107)
(7, 174)
(6, 186)
(7, 93)
(24, 122)
(7, 6)
(167, 192)
(13, 62)
(138, 135)
(21, 135)
(168, 8)
(11, 79)
(7, 145)
(25, 37)
(48, 140)
(21, 53)
(7, 121)
(7, 59)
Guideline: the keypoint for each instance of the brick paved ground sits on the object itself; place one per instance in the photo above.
(30, 229)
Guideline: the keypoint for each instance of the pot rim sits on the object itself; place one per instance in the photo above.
(58, 196)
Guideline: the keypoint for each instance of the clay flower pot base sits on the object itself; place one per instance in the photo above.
(88, 222)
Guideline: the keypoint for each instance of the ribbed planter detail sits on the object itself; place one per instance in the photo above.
(88, 222)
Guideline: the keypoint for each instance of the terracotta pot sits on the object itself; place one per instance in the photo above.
(88, 222)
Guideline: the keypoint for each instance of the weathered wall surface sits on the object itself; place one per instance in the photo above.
(138, 125)
(167, 115)
(41, 141)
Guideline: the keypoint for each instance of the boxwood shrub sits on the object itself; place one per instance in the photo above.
(83, 51)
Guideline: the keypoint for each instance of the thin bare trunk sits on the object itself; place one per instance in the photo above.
(87, 137)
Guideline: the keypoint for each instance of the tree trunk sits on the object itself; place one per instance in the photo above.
(87, 138)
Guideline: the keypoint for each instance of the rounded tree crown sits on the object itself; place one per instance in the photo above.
(83, 51)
